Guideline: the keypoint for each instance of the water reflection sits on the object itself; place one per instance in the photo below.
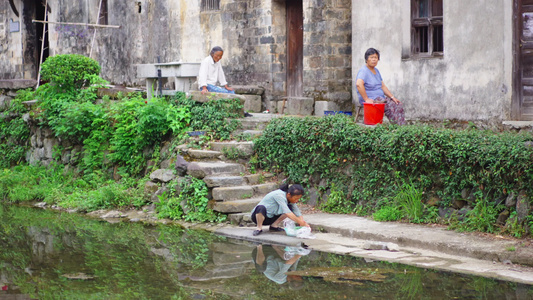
(275, 261)
(50, 255)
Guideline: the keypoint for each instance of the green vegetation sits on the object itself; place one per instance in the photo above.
(187, 200)
(14, 132)
(69, 71)
(365, 168)
(118, 136)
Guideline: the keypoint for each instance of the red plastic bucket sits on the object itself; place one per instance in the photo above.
(373, 113)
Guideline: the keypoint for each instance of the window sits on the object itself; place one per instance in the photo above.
(426, 28)
(210, 5)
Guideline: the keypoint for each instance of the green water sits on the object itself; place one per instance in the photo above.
(51, 255)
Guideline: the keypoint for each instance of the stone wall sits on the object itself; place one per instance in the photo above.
(328, 51)
(10, 44)
(252, 32)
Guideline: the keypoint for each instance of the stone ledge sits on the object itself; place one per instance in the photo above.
(248, 89)
(17, 84)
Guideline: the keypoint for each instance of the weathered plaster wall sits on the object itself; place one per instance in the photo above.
(252, 32)
(473, 80)
(11, 60)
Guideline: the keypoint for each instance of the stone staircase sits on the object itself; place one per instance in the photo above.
(233, 189)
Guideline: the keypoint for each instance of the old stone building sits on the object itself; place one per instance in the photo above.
(299, 48)
(451, 59)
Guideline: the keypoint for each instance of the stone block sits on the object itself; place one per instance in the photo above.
(17, 84)
(203, 98)
(221, 181)
(204, 154)
(300, 106)
(150, 188)
(232, 192)
(236, 206)
(253, 103)
(203, 169)
(263, 189)
(48, 147)
(252, 178)
(5, 102)
(248, 89)
(245, 148)
(162, 175)
(322, 106)
(181, 165)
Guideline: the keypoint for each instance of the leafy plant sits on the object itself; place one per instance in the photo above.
(337, 201)
(69, 71)
(482, 218)
(190, 204)
(409, 199)
(388, 213)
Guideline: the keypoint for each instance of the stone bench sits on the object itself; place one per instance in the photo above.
(250, 97)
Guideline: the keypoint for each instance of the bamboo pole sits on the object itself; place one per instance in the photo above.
(94, 33)
(77, 24)
(42, 43)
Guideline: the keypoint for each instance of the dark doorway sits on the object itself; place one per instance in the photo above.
(295, 38)
(523, 108)
(34, 10)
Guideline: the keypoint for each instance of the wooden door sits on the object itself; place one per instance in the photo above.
(525, 60)
(295, 38)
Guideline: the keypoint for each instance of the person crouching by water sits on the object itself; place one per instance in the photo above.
(278, 205)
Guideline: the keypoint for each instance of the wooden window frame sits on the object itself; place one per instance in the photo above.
(209, 5)
(431, 24)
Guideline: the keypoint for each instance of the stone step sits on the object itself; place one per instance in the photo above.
(242, 192)
(253, 178)
(204, 154)
(203, 169)
(221, 181)
(265, 188)
(253, 124)
(232, 192)
(236, 206)
(248, 133)
(242, 218)
(243, 149)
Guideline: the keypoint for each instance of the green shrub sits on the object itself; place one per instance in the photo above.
(69, 71)
(375, 160)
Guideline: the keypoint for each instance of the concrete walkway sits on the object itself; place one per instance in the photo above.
(417, 245)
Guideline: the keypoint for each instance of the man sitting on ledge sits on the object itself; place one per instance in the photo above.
(211, 72)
